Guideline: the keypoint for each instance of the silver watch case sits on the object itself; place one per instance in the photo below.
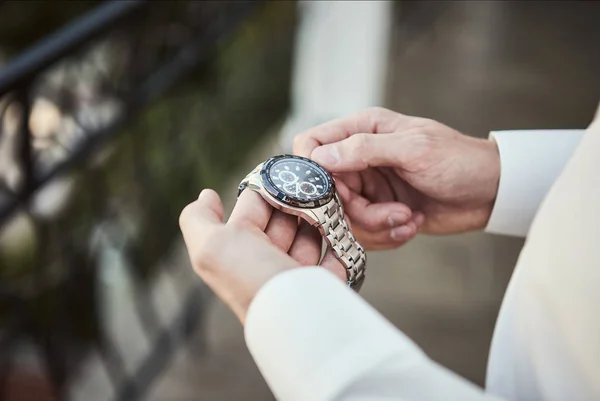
(259, 180)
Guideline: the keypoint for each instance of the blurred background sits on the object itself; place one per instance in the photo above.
(115, 114)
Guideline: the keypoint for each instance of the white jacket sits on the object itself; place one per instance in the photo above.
(315, 340)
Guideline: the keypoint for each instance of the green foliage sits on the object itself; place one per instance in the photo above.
(22, 23)
(191, 138)
(197, 135)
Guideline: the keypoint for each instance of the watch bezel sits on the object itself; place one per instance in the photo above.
(288, 199)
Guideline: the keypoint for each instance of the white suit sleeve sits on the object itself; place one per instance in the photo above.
(313, 339)
(546, 344)
(530, 160)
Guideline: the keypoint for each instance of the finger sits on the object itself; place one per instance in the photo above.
(383, 246)
(199, 220)
(375, 187)
(281, 229)
(404, 232)
(331, 263)
(373, 216)
(399, 187)
(306, 248)
(251, 210)
(372, 120)
(207, 210)
(363, 150)
(345, 191)
(351, 180)
(386, 239)
(418, 218)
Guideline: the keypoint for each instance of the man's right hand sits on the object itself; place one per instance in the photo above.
(398, 174)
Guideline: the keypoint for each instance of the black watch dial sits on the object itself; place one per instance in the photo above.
(297, 181)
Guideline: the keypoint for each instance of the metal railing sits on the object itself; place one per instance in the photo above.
(149, 70)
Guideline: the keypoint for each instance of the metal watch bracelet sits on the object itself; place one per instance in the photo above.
(333, 227)
(337, 234)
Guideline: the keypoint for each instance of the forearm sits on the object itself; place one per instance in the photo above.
(313, 339)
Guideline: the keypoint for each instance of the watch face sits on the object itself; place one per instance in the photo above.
(297, 181)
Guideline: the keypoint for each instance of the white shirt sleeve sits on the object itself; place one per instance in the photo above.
(530, 162)
(313, 339)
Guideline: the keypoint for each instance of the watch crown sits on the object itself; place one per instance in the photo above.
(241, 188)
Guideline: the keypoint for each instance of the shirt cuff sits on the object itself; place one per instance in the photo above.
(531, 161)
(311, 336)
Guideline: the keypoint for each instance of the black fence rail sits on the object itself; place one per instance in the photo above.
(61, 102)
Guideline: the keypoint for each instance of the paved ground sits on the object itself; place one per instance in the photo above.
(475, 66)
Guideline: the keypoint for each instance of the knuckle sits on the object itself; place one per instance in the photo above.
(382, 119)
(362, 148)
(359, 143)
(425, 141)
(378, 115)
(379, 111)
(423, 122)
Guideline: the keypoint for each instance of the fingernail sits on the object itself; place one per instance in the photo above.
(327, 155)
(401, 233)
(396, 219)
(418, 218)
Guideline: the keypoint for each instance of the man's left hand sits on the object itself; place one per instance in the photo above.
(235, 259)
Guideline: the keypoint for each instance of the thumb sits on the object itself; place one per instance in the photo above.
(198, 216)
(360, 151)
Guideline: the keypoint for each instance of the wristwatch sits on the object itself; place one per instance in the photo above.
(299, 186)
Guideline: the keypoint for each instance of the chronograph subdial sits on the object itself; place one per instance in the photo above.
(307, 188)
(287, 177)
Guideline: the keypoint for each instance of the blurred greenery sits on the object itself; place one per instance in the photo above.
(22, 23)
(194, 136)
(197, 135)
